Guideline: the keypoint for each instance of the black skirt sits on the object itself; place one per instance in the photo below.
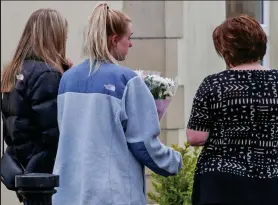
(228, 189)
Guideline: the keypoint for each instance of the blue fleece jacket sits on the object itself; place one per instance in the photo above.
(109, 131)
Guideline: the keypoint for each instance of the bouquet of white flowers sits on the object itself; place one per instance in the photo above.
(162, 89)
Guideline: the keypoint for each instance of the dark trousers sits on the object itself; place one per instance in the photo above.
(42, 162)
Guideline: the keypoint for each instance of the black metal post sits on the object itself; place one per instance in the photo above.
(37, 188)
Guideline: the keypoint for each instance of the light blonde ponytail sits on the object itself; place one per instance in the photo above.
(96, 39)
(103, 22)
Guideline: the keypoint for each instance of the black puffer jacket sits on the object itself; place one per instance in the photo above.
(30, 127)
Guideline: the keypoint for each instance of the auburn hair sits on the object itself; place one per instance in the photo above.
(240, 40)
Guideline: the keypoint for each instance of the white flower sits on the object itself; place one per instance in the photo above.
(161, 87)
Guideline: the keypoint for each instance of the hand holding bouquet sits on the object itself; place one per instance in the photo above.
(162, 89)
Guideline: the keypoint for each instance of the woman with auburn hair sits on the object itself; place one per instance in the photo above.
(29, 86)
(235, 117)
(109, 125)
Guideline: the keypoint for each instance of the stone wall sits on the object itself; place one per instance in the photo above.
(273, 34)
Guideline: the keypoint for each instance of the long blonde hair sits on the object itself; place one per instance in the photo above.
(44, 37)
(103, 23)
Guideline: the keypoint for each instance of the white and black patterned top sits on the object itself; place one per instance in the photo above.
(239, 109)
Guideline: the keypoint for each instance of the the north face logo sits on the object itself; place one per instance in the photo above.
(110, 87)
(20, 77)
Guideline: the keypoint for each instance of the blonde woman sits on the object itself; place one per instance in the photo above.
(108, 123)
(30, 86)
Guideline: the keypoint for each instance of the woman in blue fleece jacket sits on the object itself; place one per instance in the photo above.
(108, 123)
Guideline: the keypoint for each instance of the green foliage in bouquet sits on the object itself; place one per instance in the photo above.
(176, 190)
